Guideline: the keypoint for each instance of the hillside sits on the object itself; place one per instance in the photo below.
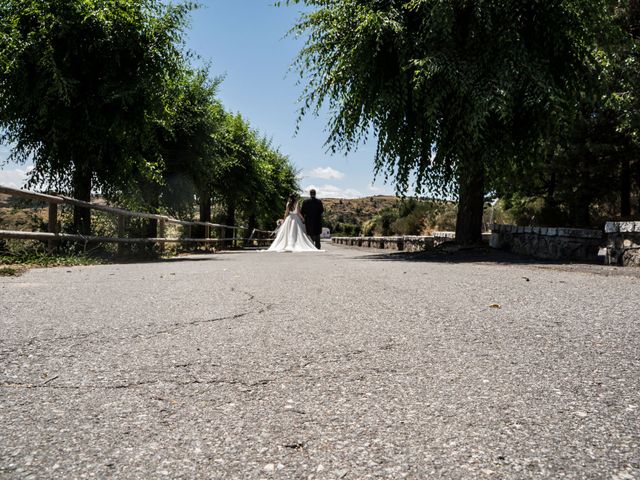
(388, 215)
(341, 211)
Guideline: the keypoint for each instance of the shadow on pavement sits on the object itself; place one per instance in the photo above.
(467, 255)
(196, 257)
(490, 256)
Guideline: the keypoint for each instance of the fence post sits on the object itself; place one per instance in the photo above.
(121, 228)
(188, 233)
(161, 230)
(53, 224)
(207, 232)
(234, 242)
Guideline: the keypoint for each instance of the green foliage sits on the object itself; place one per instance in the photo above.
(9, 272)
(251, 178)
(100, 96)
(452, 75)
(590, 158)
(187, 144)
(450, 90)
(278, 179)
(34, 254)
(190, 142)
(412, 216)
(82, 84)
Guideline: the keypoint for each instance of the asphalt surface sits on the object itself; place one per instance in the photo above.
(339, 365)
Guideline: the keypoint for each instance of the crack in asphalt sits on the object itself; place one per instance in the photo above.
(295, 371)
(195, 381)
(36, 342)
(252, 298)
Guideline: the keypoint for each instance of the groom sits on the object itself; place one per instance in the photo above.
(311, 211)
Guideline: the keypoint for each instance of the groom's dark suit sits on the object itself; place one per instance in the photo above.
(312, 210)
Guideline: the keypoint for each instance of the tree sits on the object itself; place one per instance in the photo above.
(187, 147)
(583, 167)
(625, 98)
(452, 90)
(592, 153)
(276, 180)
(191, 143)
(236, 175)
(251, 178)
(82, 85)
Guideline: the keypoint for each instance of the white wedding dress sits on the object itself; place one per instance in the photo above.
(291, 236)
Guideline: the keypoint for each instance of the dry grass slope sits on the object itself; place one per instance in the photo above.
(357, 210)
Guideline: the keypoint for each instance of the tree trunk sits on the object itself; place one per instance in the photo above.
(151, 230)
(82, 191)
(230, 220)
(151, 198)
(625, 188)
(638, 186)
(205, 210)
(253, 222)
(579, 210)
(470, 203)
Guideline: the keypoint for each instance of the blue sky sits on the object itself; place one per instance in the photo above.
(245, 41)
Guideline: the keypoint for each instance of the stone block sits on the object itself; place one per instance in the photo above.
(611, 227)
(628, 227)
(552, 232)
(631, 258)
(589, 233)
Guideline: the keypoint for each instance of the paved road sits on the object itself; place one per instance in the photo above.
(335, 365)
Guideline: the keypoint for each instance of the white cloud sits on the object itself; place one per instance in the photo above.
(380, 190)
(332, 191)
(14, 177)
(326, 173)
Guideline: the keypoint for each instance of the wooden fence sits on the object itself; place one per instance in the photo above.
(53, 236)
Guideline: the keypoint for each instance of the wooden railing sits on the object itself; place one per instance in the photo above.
(53, 236)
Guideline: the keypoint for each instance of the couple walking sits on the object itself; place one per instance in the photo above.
(290, 235)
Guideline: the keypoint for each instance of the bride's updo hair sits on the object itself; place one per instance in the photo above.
(292, 200)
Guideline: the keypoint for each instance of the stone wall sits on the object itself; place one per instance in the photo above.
(549, 243)
(619, 244)
(407, 243)
(623, 243)
(404, 243)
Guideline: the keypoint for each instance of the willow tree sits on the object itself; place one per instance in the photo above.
(81, 85)
(236, 174)
(190, 142)
(275, 179)
(450, 89)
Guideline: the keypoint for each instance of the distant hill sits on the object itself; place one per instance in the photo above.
(354, 211)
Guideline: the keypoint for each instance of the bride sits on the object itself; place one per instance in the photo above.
(290, 235)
